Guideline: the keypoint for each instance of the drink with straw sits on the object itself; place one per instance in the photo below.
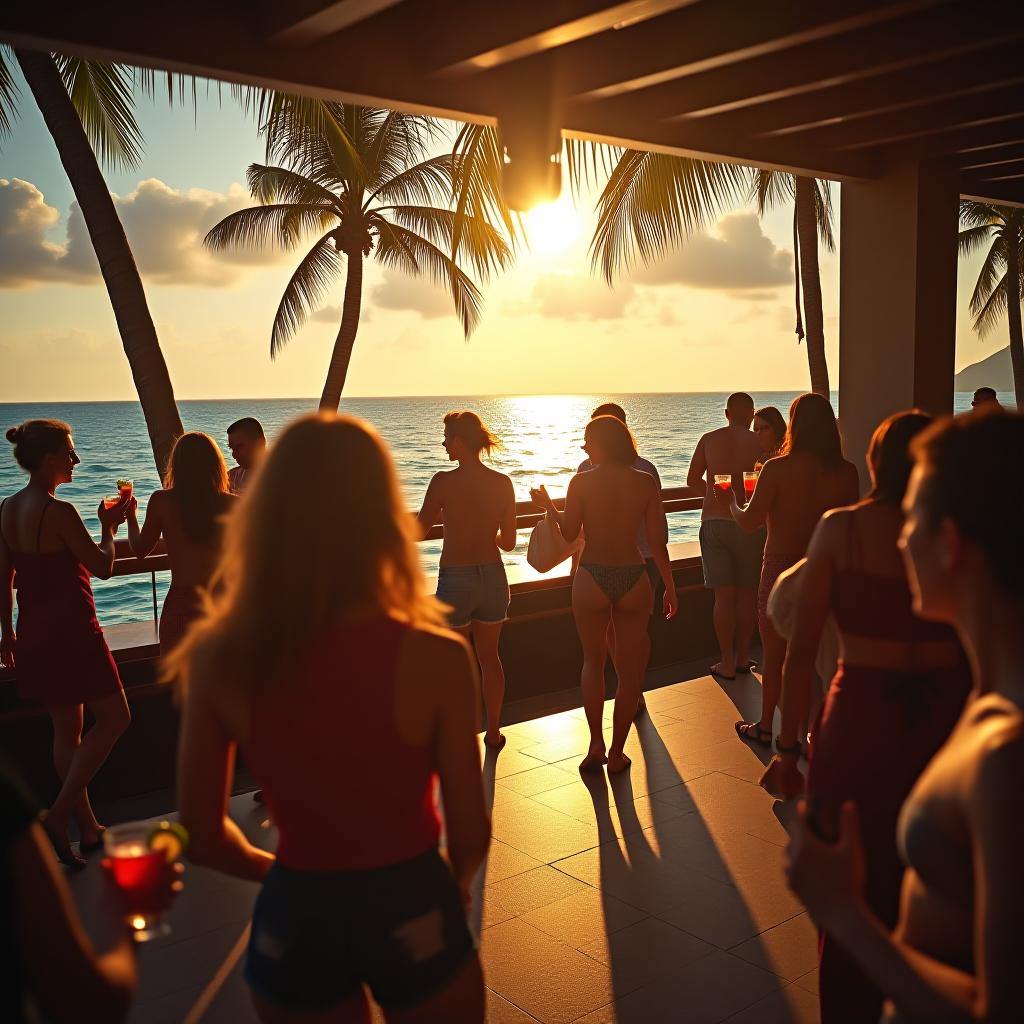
(749, 483)
(723, 482)
(139, 853)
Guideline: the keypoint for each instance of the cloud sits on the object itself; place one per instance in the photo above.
(332, 315)
(561, 297)
(739, 256)
(416, 294)
(165, 228)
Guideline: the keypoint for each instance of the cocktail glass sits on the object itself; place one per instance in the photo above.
(124, 487)
(110, 500)
(749, 483)
(139, 853)
(723, 481)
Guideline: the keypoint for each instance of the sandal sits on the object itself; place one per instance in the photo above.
(746, 667)
(794, 750)
(753, 732)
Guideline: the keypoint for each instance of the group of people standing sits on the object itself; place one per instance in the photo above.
(349, 696)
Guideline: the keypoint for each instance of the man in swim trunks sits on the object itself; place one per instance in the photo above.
(731, 556)
(248, 444)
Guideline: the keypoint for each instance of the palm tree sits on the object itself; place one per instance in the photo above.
(1000, 285)
(812, 217)
(362, 179)
(86, 105)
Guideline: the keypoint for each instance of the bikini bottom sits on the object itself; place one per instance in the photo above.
(615, 580)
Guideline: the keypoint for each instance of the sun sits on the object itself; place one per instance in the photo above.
(552, 227)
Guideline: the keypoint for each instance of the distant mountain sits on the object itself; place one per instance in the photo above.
(993, 372)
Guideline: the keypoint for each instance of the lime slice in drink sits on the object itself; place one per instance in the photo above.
(170, 837)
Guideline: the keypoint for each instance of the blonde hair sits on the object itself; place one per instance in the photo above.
(470, 429)
(322, 532)
(198, 476)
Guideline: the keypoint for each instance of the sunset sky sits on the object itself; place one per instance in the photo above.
(717, 315)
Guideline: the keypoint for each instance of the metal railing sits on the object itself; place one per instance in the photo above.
(673, 499)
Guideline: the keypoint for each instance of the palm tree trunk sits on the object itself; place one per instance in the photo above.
(1013, 269)
(814, 320)
(117, 265)
(342, 354)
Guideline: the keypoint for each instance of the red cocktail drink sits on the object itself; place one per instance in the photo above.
(138, 872)
(139, 853)
(749, 483)
(111, 500)
(124, 488)
(723, 481)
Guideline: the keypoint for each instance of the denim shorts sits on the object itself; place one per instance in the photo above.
(317, 936)
(731, 556)
(475, 593)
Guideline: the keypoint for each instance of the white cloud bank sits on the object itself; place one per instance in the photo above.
(165, 228)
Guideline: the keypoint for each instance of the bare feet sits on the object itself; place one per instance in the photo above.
(594, 759)
(61, 845)
(718, 669)
(91, 839)
(495, 744)
(617, 762)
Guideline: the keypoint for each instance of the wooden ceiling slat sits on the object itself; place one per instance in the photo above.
(902, 90)
(302, 21)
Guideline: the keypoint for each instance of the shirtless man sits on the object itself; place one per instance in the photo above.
(248, 444)
(478, 508)
(731, 556)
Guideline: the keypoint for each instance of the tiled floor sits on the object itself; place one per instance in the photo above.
(654, 897)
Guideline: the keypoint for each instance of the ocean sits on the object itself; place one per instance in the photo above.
(541, 434)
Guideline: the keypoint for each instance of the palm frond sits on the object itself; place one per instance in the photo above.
(283, 225)
(770, 189)
(823, 212)
(102, 94)
(306, 291)
(9, 94)
(989, 274)
(992, 310)
(280, 185)
(477, 181)
(399, 139)
(653, 201)
(398, 246)
(147, 81)
(976, 214)
(430, 181)
(973, 238)
(588, 162)
(479, 242)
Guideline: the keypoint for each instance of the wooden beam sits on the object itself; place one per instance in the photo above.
(300, 22)
(963, 74)
(1008, 193)
(1007, 156)
(937, 119)
(711, 35)
(512, 32)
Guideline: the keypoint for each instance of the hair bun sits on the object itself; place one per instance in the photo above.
(14, 434)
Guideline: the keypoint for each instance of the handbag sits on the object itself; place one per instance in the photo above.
(547, 547)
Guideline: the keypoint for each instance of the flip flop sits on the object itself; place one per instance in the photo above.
(714, 670)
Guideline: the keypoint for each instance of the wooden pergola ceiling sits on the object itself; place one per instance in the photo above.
(837, 88)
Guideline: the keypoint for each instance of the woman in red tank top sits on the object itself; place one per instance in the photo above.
(59, 653)
(899, 689)
(323, 661)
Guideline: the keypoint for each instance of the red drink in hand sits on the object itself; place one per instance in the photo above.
(138, 872)
(723, 481)
(749, 483)
(111, 500)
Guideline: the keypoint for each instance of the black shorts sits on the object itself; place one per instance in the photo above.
(317, 936)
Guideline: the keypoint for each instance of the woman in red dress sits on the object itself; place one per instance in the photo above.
(59, 652)
(901, 685)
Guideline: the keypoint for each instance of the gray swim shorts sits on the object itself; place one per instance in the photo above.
(731, 556)
(476, 593)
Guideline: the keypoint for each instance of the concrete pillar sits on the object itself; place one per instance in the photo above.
(897, 298)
